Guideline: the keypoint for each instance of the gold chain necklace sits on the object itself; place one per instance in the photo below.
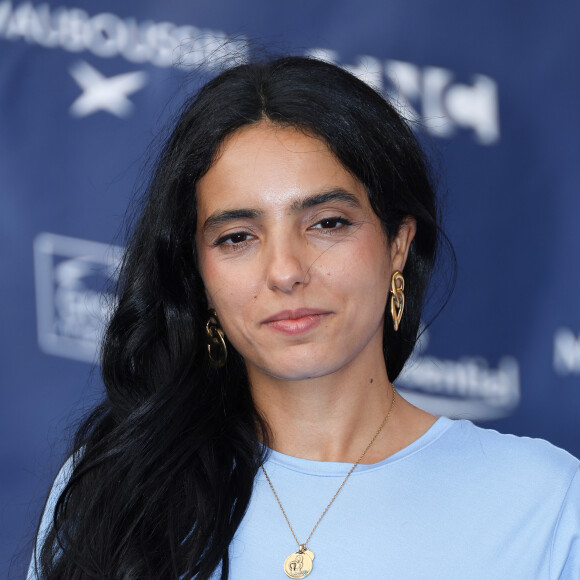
(299, 563)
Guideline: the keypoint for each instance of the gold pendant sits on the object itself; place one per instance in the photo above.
(299, 564)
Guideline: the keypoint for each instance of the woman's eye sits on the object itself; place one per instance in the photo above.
(238, 238)
(331, 223)
(233, 239)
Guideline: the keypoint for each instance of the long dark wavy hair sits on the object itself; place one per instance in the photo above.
(164, 467)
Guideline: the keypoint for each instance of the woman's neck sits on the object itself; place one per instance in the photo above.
(334, 417)
(329, 418)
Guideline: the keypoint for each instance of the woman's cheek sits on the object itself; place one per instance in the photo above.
(214, 277)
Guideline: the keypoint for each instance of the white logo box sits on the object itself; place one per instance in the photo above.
(73, 280)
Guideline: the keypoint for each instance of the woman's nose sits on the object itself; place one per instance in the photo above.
(286, 269)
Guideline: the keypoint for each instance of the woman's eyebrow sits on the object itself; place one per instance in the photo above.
(336, 195)
(221, 217)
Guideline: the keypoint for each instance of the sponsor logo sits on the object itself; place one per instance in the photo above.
(566, 352)
(107, 35)
(428, 95)
(104, 94)
(71, 301)
(467, 388)
(431, 96)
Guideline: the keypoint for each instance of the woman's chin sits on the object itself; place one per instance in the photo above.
(294, 370)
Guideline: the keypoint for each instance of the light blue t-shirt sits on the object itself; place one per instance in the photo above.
(460, 503)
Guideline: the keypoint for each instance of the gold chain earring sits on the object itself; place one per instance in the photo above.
(397, 298)
(215, 341)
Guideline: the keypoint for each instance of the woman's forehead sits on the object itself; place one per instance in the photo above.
(275, 167)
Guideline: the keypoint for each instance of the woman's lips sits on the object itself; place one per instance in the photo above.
(296, 321)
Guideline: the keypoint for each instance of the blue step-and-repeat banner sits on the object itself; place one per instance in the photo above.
(84, 89)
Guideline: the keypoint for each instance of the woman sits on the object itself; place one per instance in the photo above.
(269, 296)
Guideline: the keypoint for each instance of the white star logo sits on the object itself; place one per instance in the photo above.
(104, 94)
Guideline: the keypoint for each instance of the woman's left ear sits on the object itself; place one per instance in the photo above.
(402, 242)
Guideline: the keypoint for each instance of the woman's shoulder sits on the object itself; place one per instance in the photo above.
(508, 453)
(58, 486)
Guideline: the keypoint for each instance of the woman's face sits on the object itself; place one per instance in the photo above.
(293, 258)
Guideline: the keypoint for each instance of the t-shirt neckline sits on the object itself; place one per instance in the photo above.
(335, 468)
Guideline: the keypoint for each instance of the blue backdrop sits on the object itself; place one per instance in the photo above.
(83, 90)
